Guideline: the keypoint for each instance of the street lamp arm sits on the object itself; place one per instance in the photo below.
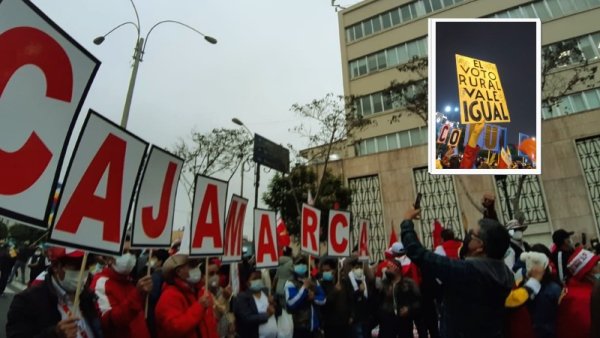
(137, 17)
(100, 39)
(206, 37)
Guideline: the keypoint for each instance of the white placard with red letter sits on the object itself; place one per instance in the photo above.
(265, 239)
(97, 195)
(44, 78)
(234, 228)
(363, 239)
(208, 217)
(311, 222)
(339, 234)
(155, 206)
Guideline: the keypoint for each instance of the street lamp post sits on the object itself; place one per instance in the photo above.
(257, 177)
(138, 53)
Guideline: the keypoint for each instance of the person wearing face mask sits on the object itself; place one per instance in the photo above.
(399, 301)
(185, 309)
(336, 311)
(360, 294)
(156, 262)
(574, 315)
(302, 296)
(222, 297)
(517, 247)
(122, 301)
(46, 310)
(475, 288)
(255, 311)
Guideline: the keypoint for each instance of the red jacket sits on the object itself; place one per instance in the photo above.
(469, 157)
(179, 314)
(121, 304)
(574, 317)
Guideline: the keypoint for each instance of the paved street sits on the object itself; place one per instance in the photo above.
(5, 301)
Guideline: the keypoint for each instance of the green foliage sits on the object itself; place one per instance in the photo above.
(22, 233)
(287, 193)
(3, 229)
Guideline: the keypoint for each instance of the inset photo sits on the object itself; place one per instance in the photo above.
(484, 96)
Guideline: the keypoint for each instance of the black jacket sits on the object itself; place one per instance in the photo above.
(33, 313)
(474, 290)
(247, 316)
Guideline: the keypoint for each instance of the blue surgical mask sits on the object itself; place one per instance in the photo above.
(597, 276)
(300, 269)
(327, 276)
(256, 285)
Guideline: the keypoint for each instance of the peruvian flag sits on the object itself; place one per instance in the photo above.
(283, 237)
(505, 160)
(437, 233)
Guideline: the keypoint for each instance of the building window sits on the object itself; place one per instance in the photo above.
(573, 103)
(438, 201)
(588, 44)
(531, 202)
(389, 57)
(547, 9)
(402, 139)
(588, 150)
(396, 16)
(366, 204)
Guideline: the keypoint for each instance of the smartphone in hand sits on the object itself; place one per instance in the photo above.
(417, 204)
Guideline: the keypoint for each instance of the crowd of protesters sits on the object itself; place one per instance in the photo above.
(489, 284)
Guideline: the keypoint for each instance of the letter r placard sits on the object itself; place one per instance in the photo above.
(311, 221)
(44, 78)
(97, 194)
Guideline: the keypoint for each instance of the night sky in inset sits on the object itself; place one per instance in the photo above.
(511, 46)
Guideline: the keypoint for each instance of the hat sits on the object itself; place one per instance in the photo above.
(57, 252)
(533, 258)
(581, 262)
(397, 249)
(559, 236)
(173, 263)
(514, 224)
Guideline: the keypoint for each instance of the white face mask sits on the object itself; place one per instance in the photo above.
(124, 264)
(359, 273)
(194, 275)
(69, 282)
(517, 235)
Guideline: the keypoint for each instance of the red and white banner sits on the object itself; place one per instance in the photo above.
(265, 239)
(339, 234)
(155, 206)
(96, 198)
(44, 78)
(363, 239)
(311, 222)
(208, 216)
(234, 228)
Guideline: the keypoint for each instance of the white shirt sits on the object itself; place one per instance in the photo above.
(268, 329)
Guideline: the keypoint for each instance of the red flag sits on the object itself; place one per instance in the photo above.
(283, 237)
(393, 236)
(437, 233)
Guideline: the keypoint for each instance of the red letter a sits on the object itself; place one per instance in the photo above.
(266, 245)
(210, 203)
(84, 202)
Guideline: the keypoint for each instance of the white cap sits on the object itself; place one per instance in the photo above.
(397, 248)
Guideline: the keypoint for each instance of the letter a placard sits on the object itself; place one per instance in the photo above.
(265, 239)
(234, 229)
(208, 216)
(97, 195)
(339, 234)
(45, 76)
(363, 240)
(155, 203)
(311, 222)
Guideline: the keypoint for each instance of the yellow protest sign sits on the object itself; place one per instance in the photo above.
(480, 92)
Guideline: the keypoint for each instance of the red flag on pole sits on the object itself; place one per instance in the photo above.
(393, 237)
(283, 237)
(437, 233)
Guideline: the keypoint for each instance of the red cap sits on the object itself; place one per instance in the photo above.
(58, 252)
(581, 262)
